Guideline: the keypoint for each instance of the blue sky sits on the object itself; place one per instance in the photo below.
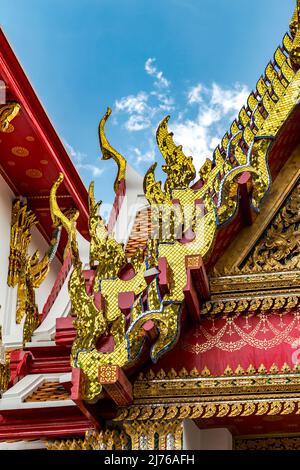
(193, 59)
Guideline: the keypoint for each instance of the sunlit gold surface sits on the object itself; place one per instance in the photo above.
(243, 149)
(25, 271)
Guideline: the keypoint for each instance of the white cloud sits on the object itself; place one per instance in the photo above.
(208, 116)
(144, 157)
(198, 126)
(217, 106)
(140, 110)
(151, 69)
(214, 143)
(93, 169)
(137, 123)
(194, 138)
(74, 154)
(133, 103)
(230, 101)
(195, 94)
(79, 158)
(165, 102)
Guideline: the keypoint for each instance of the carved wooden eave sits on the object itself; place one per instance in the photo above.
(208, 400)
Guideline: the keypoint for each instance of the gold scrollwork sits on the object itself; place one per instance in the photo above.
(279, 248)
(27, 271)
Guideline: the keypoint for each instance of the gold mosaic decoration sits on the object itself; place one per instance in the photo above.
(25, 271)
(276, 255)
(243, 149)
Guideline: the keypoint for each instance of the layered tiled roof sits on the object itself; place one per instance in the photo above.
(49, 391)
(140, 232)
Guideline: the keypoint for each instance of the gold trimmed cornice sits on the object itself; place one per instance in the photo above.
(172, 386)
(264, 406)
(265, 302)
(267, 281)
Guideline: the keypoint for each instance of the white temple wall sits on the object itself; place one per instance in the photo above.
(205, 439)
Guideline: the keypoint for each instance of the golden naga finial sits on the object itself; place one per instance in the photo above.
(109, 152)
(104, 249)
(295, 32)
(179, 168)
(152, 188)
(8, 112)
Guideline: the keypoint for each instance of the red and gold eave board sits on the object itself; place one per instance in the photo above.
(31, 153)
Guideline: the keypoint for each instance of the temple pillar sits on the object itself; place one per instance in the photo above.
(205, 439)
(155, 435)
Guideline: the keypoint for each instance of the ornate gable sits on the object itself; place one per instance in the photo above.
(278, 249)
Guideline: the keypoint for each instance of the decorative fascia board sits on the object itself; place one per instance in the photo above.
(270, 405)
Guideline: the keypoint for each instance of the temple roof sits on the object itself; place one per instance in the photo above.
(32, 155)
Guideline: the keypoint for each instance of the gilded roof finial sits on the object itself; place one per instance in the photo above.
(179, 168)
(109, 152)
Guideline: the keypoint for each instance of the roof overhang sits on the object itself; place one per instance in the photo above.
(32, 154)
